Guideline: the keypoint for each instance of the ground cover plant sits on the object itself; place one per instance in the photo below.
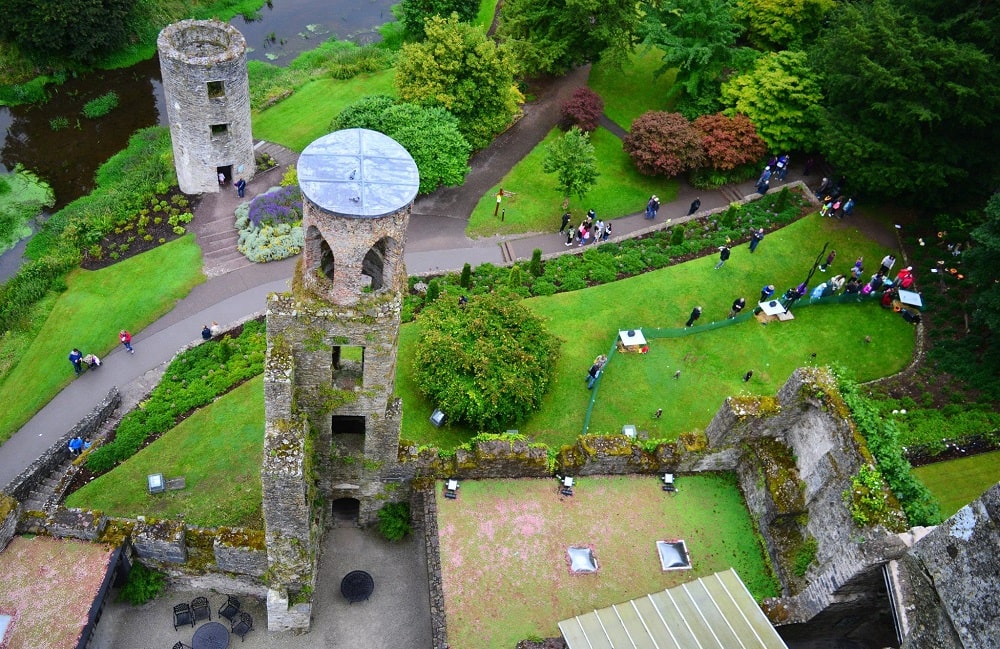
(23, 195)
(632, 90)
(217, 450)
(49, 586)
(536, 202)
(164, 218)
(88, 315)
(503, 549)
(956, 483)
(712, 363)
(270, 225)
(305, 115)
(193, 379)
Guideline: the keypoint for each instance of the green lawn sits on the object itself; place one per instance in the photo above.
(537, 203)
(503, 549)
(130, 295)
(217, 450)
(956, 483)
(631, 92)
(487, 9)
(712, 362)
(297, 121)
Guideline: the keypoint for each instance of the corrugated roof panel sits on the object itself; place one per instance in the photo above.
(573, 633)
(716, 614)
(637, 631)
(755, 619)
(655, 623)
(701, 627)
(674, 619)
(594, 629)
(615, 629)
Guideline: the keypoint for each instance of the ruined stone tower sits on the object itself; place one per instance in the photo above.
(332, 422)
(204, 68)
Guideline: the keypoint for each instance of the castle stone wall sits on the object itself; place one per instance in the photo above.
(207, 91)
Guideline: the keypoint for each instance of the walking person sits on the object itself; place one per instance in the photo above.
(829, 260)
(756, 238)
(724, 253)
(241, 187)
(858, 269)
(599, 234)
(76, 358)
(738, 305)
(766, 293)
(695, 206)
(824, 187)
(565, 221)
(126, 339)
(848, 208)
(607, 231)
(222, 179)
(695, 314)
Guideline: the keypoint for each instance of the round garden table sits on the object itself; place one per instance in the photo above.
(211, 636)
(357, 586)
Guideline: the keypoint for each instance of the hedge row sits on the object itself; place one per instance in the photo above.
(607, 262)
(193, 379)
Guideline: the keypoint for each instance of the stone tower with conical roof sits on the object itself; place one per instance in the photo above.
(333, 424)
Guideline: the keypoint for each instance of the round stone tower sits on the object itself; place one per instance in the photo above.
(204, 68)
(357, 188)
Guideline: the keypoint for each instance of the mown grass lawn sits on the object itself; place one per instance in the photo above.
(96, 305)
(712, 362)
(632, 91)
(218, 452)
(956, 483)
(503, 549)
(537, 203)
(305, 116)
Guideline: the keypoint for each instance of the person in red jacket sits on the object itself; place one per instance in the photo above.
(126, 339)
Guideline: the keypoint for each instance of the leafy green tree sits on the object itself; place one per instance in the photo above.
(699, 39)
(486, 364)
(983, 260)
(729, 142)
(910, 116)
(79, 31)
(456, 67)
(782, 97)
(663, 144)
(412, 13)
(782, 24)
(552, 36)
(573, 160)
(430, 134)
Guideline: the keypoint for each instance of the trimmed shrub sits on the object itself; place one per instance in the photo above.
(394, 521)
(142, 586)
(583, 109)
(535, 266)
(664, 144)
(466, 279)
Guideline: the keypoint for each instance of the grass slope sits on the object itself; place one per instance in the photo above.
(89, 314)
(712, 363)
(956, 483)
(503, 549)
(297, 121)
(634, 90)
(537, 203)
(218, 452)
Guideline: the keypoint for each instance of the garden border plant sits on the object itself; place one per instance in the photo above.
(193, 379)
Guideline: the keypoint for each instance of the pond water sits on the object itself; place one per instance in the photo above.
(68, 158)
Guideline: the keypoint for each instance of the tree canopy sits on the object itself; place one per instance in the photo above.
(699, 38)
(782, 24)
(782, 97)
(909, 114)
(665, 144)
(552, 36)
(983, 262)
(74, 30)
(729, 142)
(412, 13)
(572, 159)
(430, 134)
(487, 363)
(456, 67)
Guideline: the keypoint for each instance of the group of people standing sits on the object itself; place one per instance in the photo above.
(590, 229)
(835, 203)
(91, 361)
(776, 168)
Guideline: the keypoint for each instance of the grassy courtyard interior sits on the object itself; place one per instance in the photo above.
(956, 483)
(503, 549)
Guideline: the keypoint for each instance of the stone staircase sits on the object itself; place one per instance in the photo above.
(214, 223)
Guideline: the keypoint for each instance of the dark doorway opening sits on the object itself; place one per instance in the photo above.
(346, 511)
(226, 173)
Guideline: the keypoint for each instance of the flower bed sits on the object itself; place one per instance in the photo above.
(270, 226)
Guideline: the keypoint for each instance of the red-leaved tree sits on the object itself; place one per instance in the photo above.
(583, 109)
(729, 142)
(666, 144)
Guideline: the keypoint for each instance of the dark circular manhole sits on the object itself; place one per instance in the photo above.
(357, 586)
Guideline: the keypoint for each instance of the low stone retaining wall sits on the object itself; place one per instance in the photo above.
(424, 508)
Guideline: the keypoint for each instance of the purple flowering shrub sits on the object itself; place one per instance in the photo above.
(277, 207)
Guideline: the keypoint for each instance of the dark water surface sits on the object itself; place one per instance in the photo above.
(68, 158)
